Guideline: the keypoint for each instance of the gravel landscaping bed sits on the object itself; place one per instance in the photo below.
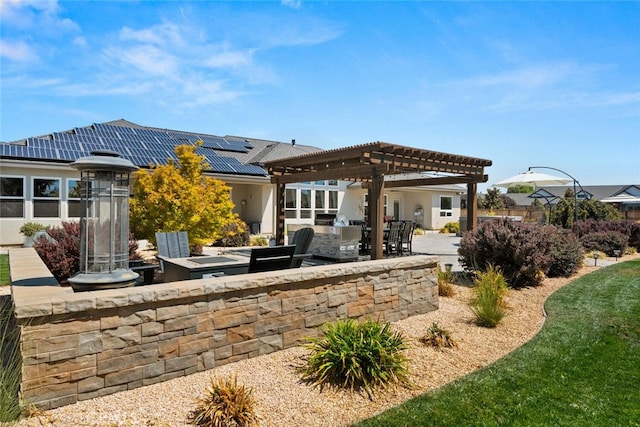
(283, 400)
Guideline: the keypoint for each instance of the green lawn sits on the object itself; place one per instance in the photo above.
(582, 369)
(4, 270)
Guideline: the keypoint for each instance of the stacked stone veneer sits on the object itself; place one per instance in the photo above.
(77, 346)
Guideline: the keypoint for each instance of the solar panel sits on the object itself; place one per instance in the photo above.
(141, 146)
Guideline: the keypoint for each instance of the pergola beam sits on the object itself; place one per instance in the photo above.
(369, 164)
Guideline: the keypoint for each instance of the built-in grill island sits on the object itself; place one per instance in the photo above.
(332, 242)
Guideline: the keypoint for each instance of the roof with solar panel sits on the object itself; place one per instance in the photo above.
(146, 146)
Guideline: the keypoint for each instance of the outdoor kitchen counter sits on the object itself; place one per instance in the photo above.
(337, 243)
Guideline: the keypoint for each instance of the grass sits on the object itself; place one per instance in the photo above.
(582, 369)
(4, 270)
(10, 363)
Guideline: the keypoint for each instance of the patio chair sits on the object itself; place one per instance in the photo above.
(407, 237)
(391, 240)
(302, 239)
(271, 258)
(172, 244)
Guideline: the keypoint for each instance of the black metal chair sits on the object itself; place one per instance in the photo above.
(302, 239)
(271, 258)
(407, 237)
(392, 240)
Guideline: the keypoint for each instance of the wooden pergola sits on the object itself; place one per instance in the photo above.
(369, 164)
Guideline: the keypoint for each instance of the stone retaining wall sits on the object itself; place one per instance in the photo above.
(77, 346)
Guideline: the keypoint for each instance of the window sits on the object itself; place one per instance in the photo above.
(446, 206)
(73, 198)
(305, 203)
(333, 182)
(46, 198)
(320, 201)
(11, 197)
(333, 201)
(320, 183)
(290, 203)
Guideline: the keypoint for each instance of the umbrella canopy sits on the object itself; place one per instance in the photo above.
(536, 179)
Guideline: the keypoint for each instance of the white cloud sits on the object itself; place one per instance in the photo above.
(293, 4)
(148, 59)
(163, 34)
(16, 51)
(229, 59)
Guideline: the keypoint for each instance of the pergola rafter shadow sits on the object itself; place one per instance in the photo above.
(369, 164)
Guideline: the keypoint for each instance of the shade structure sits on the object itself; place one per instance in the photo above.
(536, 179)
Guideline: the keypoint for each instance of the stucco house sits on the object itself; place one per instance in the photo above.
(38, 185)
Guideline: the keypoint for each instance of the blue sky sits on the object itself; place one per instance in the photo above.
(520, 83)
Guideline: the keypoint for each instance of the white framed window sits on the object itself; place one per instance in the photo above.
(12, 193)
(73, 198)
(290, 203)
(446, 206)
(305, 203)
(321, 204)
(333, 201)
(46, 197)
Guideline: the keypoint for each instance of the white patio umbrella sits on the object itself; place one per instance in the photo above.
(536, 179)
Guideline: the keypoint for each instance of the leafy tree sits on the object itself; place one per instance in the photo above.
(492, 200)
(179, 197)
(562, 213)
(595, 209)
(520, 188)
(507, 201)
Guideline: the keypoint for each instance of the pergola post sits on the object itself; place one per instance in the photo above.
(376, 214)
(472, 205)
(280, 213)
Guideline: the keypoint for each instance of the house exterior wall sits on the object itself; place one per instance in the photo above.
(10, 227)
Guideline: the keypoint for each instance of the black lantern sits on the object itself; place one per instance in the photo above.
(104, 224)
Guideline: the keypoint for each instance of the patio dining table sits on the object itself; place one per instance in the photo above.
(176, 269)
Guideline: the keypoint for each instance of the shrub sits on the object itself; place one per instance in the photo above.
(451, 227)
(29, 229)
(235, 233)
(566, 252)
(438, 337)
(60, 250)
(605, 241)
(356, 355)
(10, 364)
(225, 404)
(521, 251)
(418, 232)
(487, 305)
(630, 229)
(445, 280)
(258, 241)
(62, 255)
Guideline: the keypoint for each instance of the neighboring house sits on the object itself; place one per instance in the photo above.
(38, 185)
(625, 198)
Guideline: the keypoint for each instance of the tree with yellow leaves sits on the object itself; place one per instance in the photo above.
(179, 197)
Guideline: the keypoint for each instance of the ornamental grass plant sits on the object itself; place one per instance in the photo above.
(225, 404)
(489, 290)
(357, 355)
(10, 363)
(438, 337)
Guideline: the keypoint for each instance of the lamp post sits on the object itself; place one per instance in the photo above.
(575, 194)
(104, 224)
